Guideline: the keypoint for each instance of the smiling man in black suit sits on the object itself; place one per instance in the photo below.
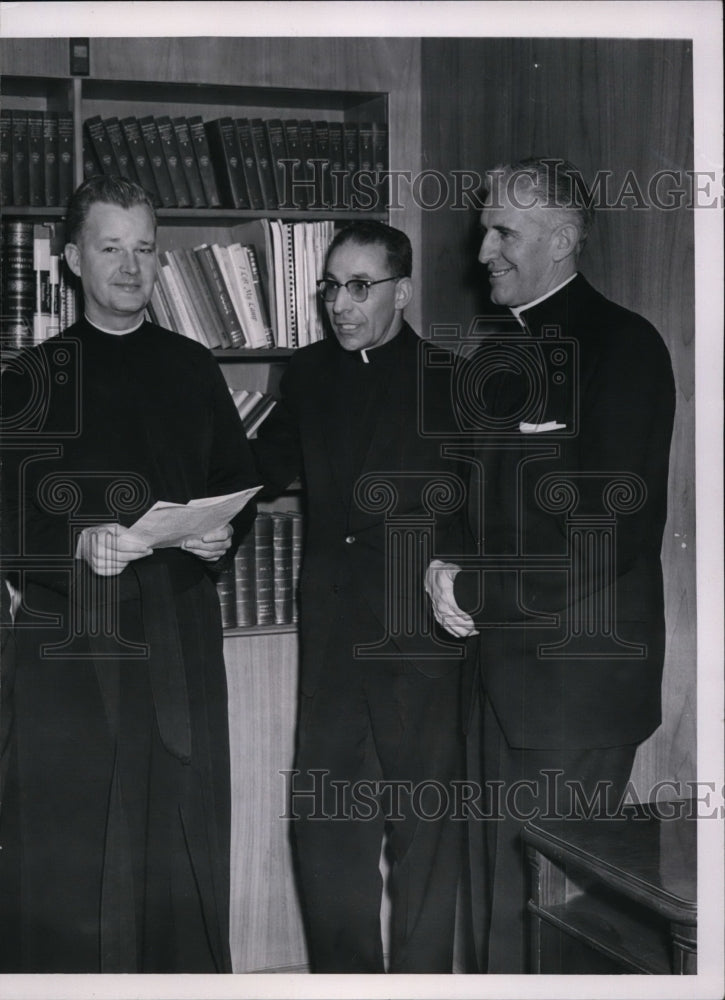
(568, 502)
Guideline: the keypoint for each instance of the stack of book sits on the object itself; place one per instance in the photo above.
(244, 163)
(259, 291)
(38, 298)
(261, 586)
(254, 407)
(36, 158)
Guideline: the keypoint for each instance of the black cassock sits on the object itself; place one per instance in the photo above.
(116, 814)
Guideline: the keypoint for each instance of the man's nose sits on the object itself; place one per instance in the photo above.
(129, 262)
(342, 300)
(489, 248)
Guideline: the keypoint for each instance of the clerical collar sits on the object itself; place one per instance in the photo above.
(517, 310)
(117, 333)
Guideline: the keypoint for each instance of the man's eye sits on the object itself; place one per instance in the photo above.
(146, 250)
(356, 287)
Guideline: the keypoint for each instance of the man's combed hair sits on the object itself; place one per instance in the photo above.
(371, 233)
(104, 189)
(555, 184)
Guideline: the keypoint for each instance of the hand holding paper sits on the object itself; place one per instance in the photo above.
(212, 546)
(204, 520)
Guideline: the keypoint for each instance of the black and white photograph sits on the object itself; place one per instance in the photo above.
(361, 496)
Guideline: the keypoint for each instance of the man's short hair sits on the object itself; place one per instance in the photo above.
(371, 233)
(556, 184)
(108, 190)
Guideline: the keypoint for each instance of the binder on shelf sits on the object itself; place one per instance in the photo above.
(6, 157)
(137, 148)
(257, 200)
(203, 159)
(162, 181)
(226, 156)
(36, 171)
(188, 161)
(174, 165)
(21, 189)
(119, 145)
(51, 192)
(65, 157)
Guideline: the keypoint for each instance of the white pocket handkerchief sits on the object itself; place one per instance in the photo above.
(551, 425)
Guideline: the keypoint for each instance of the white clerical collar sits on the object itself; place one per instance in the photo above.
(118, 333)
(516, 310)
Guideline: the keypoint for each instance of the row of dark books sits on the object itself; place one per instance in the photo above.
(259, 291)
(244, 163)
(260, 588)
(36, 158)
(38, 300)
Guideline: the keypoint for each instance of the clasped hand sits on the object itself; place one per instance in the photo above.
(438, 584)
(109, 548)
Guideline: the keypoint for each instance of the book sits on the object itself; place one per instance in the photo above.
(174, 165)
(6, 157)
(193, 302)
(381, 164)
(200, 143)
(21, 191)
(246, 296)
(244, 583)
(18, 284)
(249, 164)
(162, 181)
(51, 191)
(278, 282)
(226, 592)
(215, 278)
(184, 321)
(206, 300)
(279, 157)
(264, 568)
(365, 189)
(188, 161)
(264, 164)
(41, 275)
(297, 541)
(295, 194)
(282, 567)
(65, 157)
(260, 293)
(336, 173)
(141, 164)
(258, 415)
(91, 167)
(119, 145)
(36, 170)
(309, 176)
(226, 157)
(322, 162)
(351, 159)
(103, 151)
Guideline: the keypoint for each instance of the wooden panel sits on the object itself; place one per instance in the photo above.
(266, 928)
(46, 56)
(612, 105)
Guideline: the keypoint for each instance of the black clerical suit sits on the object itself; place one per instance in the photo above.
(348, 423)
(572, 466)
(116, 819)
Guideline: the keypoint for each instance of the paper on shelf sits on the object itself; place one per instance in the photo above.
(167, 524)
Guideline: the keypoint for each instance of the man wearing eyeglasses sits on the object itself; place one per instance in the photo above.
(378, 741)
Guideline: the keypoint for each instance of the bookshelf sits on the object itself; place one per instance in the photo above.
(332, 79)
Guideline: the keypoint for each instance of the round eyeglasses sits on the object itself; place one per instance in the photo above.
(357, 288)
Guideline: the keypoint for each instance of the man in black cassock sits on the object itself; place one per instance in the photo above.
(116, 814)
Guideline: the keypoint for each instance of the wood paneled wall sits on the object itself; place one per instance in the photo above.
(606, 104)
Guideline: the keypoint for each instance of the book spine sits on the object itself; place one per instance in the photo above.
(365, 189)
(18, 286)
(264, 568)
(263, 164)
(290, 284)
(121, 152)
(227, 161)
(278, 155)
(257, 417)
(226, 591)
(322, 162)
(203, 160)
(6, 157)
(152, 141)
(184, 322)
(260, 295)
(36, 171)
(207, 301)
(337, 166)
(20, 158)
(51, 193)
(246, 296)
(41, 276)
(244, 577)
(297, 540)
(282, 568)
(295, 193)
(65, 157)
(98, 139)
(351, 154)
(380, 164)
(188, 161)
(193, 301)
(174, 166)
(247, 146)
(215, 279)
(311, 177)
(141, 163)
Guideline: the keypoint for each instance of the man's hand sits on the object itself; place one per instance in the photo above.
(211, 546)
(438, 584)
(109, 548)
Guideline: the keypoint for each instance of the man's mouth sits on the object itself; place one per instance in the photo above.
(500, 273)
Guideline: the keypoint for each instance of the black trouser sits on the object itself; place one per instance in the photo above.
(369, 725)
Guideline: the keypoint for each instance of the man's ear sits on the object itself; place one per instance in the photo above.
(73, 258)
(403, 292)
(566, 240)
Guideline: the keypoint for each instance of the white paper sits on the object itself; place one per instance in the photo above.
(167, 524)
